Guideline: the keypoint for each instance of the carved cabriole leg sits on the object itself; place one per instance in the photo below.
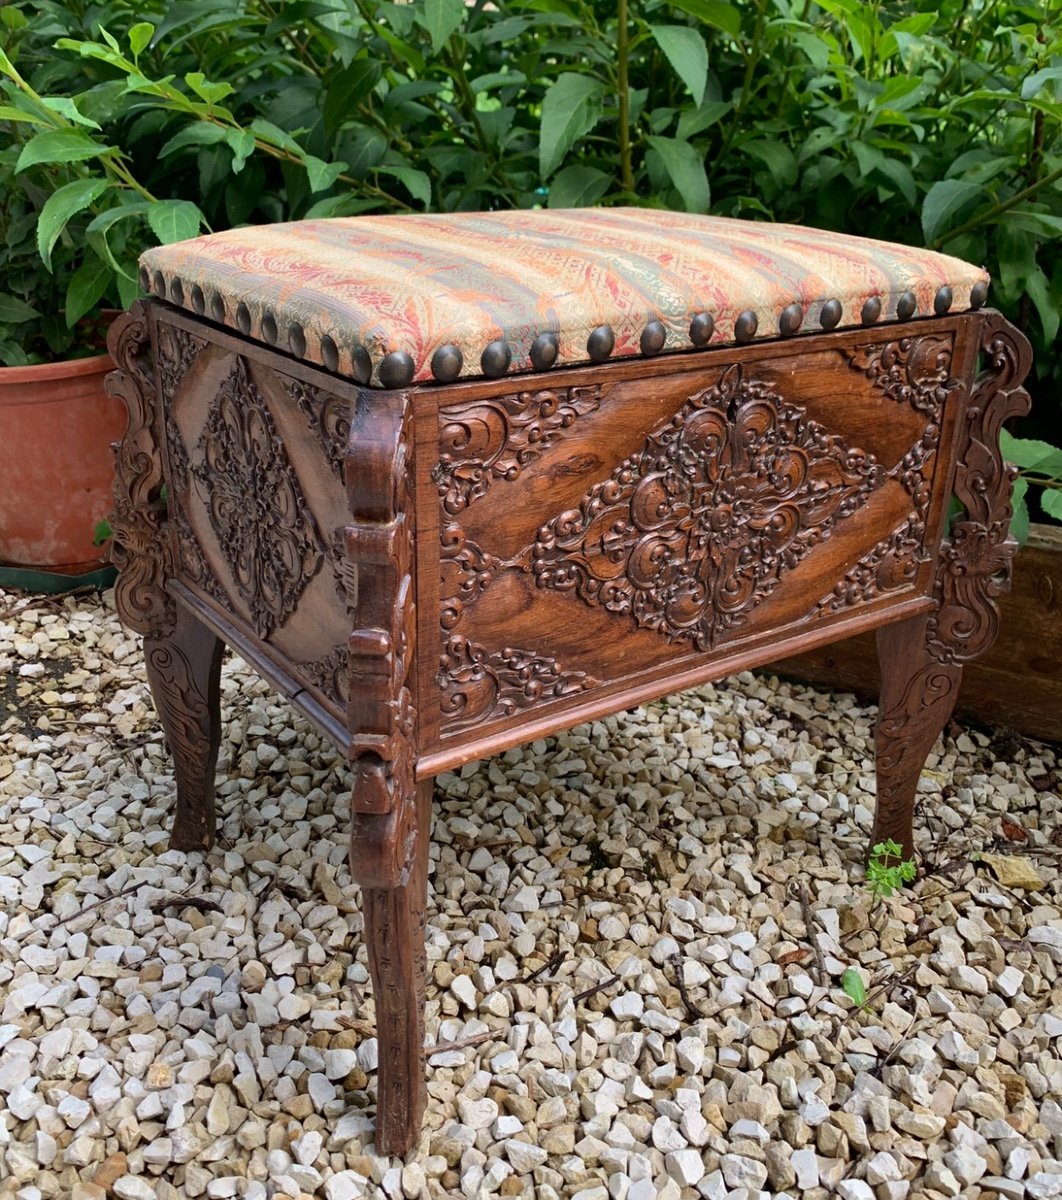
(917, 697)
(184, 670)
(391, 813)
(183, 658)
(921, 658)
(394, 932)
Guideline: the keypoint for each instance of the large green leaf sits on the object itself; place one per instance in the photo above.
(1051, 503)
(712, 12)
(140, 37)
(441, 19)
(59, 146)
(578, 186)
(67, 108)
(1019, 522)
(685, 165)
(86, 288)
(242, 144)
(345, 90)
(415, 182)
(60, 206)
(320, 174)
(944, 200)
(685, 50)
(174, 220)
(202, 133)
(14, 311)
(570, 109)
(1028, 453)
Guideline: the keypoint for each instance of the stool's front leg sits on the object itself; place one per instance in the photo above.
(921, 658)
(394, 936)
(391, 816)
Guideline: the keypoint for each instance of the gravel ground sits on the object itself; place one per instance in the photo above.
(637, 934)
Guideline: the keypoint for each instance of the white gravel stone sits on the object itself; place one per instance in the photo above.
(133, 1187)
(686, 1167)
(629, 1006)
(221, 1044)
(523, 1156)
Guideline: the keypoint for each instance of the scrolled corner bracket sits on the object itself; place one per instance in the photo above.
(976, 560)
(139, 546)
(381, 715)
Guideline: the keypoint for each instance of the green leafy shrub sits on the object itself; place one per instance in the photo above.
(925, 124)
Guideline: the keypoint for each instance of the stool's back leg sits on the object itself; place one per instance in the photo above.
(394, 936)
(184, 671)
(917, 697)
(921, 658)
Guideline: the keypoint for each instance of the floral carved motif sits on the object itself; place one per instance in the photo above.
(467, 571)
(689, 534)
(139, 548)
(488, 440)
(480, 685)
(330, 674)
(328, 418)
(975, 563)
(256, 507)
(344, 570)
(176, 350)
(911, 370)
(891, 564)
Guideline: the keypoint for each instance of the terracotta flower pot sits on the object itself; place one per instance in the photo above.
(56, 466)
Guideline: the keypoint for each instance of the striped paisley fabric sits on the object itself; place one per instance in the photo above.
(392, 300)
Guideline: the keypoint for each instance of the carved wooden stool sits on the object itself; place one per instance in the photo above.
(455, 482)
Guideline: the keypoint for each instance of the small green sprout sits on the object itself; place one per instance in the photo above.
(854, 987)
(888, 870)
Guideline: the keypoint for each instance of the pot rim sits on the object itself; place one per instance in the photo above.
(67, 368)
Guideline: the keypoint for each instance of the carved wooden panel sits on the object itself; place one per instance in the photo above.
(592, 536)
(256, 505)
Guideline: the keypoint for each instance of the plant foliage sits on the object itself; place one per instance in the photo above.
(130, 123)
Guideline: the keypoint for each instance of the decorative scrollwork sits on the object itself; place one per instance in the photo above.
(975, 563)
(175, 351)
(911, 370)
(380, 710)
(693, 531)
(467, 571)
(480, 685)
(330, 674)
(913, 470)
(344, 571)
(256, 506)
(486, 440)
(891, 564)
(139, 547)
(328, 418)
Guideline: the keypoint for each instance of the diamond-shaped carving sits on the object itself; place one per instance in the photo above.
(693, 531)
(256, 506)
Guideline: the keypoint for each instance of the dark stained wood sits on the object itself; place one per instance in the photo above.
(596, 536)
(394, 932)
(438, 573)
(1018, 683)
(184, 671)
(917, 697)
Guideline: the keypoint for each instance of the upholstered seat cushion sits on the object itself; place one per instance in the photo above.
(390, 300)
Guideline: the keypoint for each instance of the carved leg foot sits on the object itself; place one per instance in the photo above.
(184, 670)
(917, 697)
(394, 934)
